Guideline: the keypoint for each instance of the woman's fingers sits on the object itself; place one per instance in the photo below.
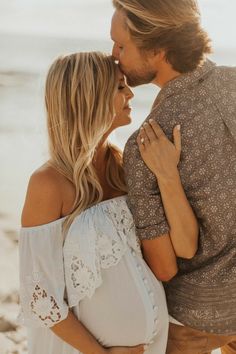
(177, 138)
(146, 135)
(143, 139)
(141, 143)
(150, 133)
(156, 128)
(138, 350)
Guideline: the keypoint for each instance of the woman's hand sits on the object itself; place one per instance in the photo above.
(159, 154)
(139, 349)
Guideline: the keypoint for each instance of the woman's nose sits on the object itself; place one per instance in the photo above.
(129, 93)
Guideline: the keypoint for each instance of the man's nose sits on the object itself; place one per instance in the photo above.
(115, 52)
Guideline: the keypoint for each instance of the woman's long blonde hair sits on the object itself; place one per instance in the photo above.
(79, 97)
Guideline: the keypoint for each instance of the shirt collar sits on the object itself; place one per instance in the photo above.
(184, 81)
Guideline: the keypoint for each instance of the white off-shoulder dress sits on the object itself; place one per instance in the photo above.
(98, 272)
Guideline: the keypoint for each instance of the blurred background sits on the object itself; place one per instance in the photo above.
(32, 34)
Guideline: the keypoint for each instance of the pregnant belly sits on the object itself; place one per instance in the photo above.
(121, 312)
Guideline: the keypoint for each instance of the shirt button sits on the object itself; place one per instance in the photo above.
(139, 267)
(133, 253)
(151, 293)
(145, 281)
(155, 308)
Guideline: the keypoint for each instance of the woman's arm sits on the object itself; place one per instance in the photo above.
(72, 331)
(43, 204)
(162, 158)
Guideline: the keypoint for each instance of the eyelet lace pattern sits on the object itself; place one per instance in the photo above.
(107, 239)
(44, 306)
(59, 273)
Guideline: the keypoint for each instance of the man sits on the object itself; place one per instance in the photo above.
(162, 42)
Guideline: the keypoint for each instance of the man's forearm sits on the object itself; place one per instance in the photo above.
(181, 218)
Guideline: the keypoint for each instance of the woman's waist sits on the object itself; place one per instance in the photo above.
(128, 306)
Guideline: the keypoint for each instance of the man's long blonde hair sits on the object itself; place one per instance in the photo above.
(171, 25)
(79, 98)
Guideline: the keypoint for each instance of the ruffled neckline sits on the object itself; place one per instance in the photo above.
(60, 221)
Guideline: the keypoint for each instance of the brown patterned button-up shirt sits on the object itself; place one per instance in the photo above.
(203, 294)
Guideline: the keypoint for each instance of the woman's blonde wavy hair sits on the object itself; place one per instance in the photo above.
(79, 96)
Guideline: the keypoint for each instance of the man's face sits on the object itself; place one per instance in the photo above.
(136, 66)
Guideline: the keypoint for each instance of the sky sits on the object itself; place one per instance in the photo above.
(91, 18)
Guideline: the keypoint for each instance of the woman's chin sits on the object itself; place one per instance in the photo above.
(128, 120)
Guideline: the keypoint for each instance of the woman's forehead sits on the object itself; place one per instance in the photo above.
(120, 74)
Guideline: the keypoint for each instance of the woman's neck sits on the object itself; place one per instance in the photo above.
(100, 164)
(100, 157)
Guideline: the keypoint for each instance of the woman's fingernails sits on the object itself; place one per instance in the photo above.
(151, 120)
(178, 126)
(145, 123)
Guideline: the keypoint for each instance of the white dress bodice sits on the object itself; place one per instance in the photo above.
(97, 271)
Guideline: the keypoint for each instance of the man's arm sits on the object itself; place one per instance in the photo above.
(162, 158)
(160, 256)
(146, 206)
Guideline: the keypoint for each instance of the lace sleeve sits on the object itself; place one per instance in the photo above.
(42, 283)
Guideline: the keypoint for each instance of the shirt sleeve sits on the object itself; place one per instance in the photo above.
(42, 283)
(144, 197)
(226, 107)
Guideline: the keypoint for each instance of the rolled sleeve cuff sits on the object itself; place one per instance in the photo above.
(153, 231)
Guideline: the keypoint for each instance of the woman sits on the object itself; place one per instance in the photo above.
(84, 285)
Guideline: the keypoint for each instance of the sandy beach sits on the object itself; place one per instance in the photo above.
(12, 336)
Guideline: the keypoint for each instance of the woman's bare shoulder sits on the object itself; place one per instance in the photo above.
(44, 201)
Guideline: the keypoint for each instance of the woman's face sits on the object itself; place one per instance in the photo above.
(121, 103)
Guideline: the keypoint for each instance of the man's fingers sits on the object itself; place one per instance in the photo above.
(177, 137)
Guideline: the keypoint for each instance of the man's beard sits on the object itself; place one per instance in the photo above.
(135, 78)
